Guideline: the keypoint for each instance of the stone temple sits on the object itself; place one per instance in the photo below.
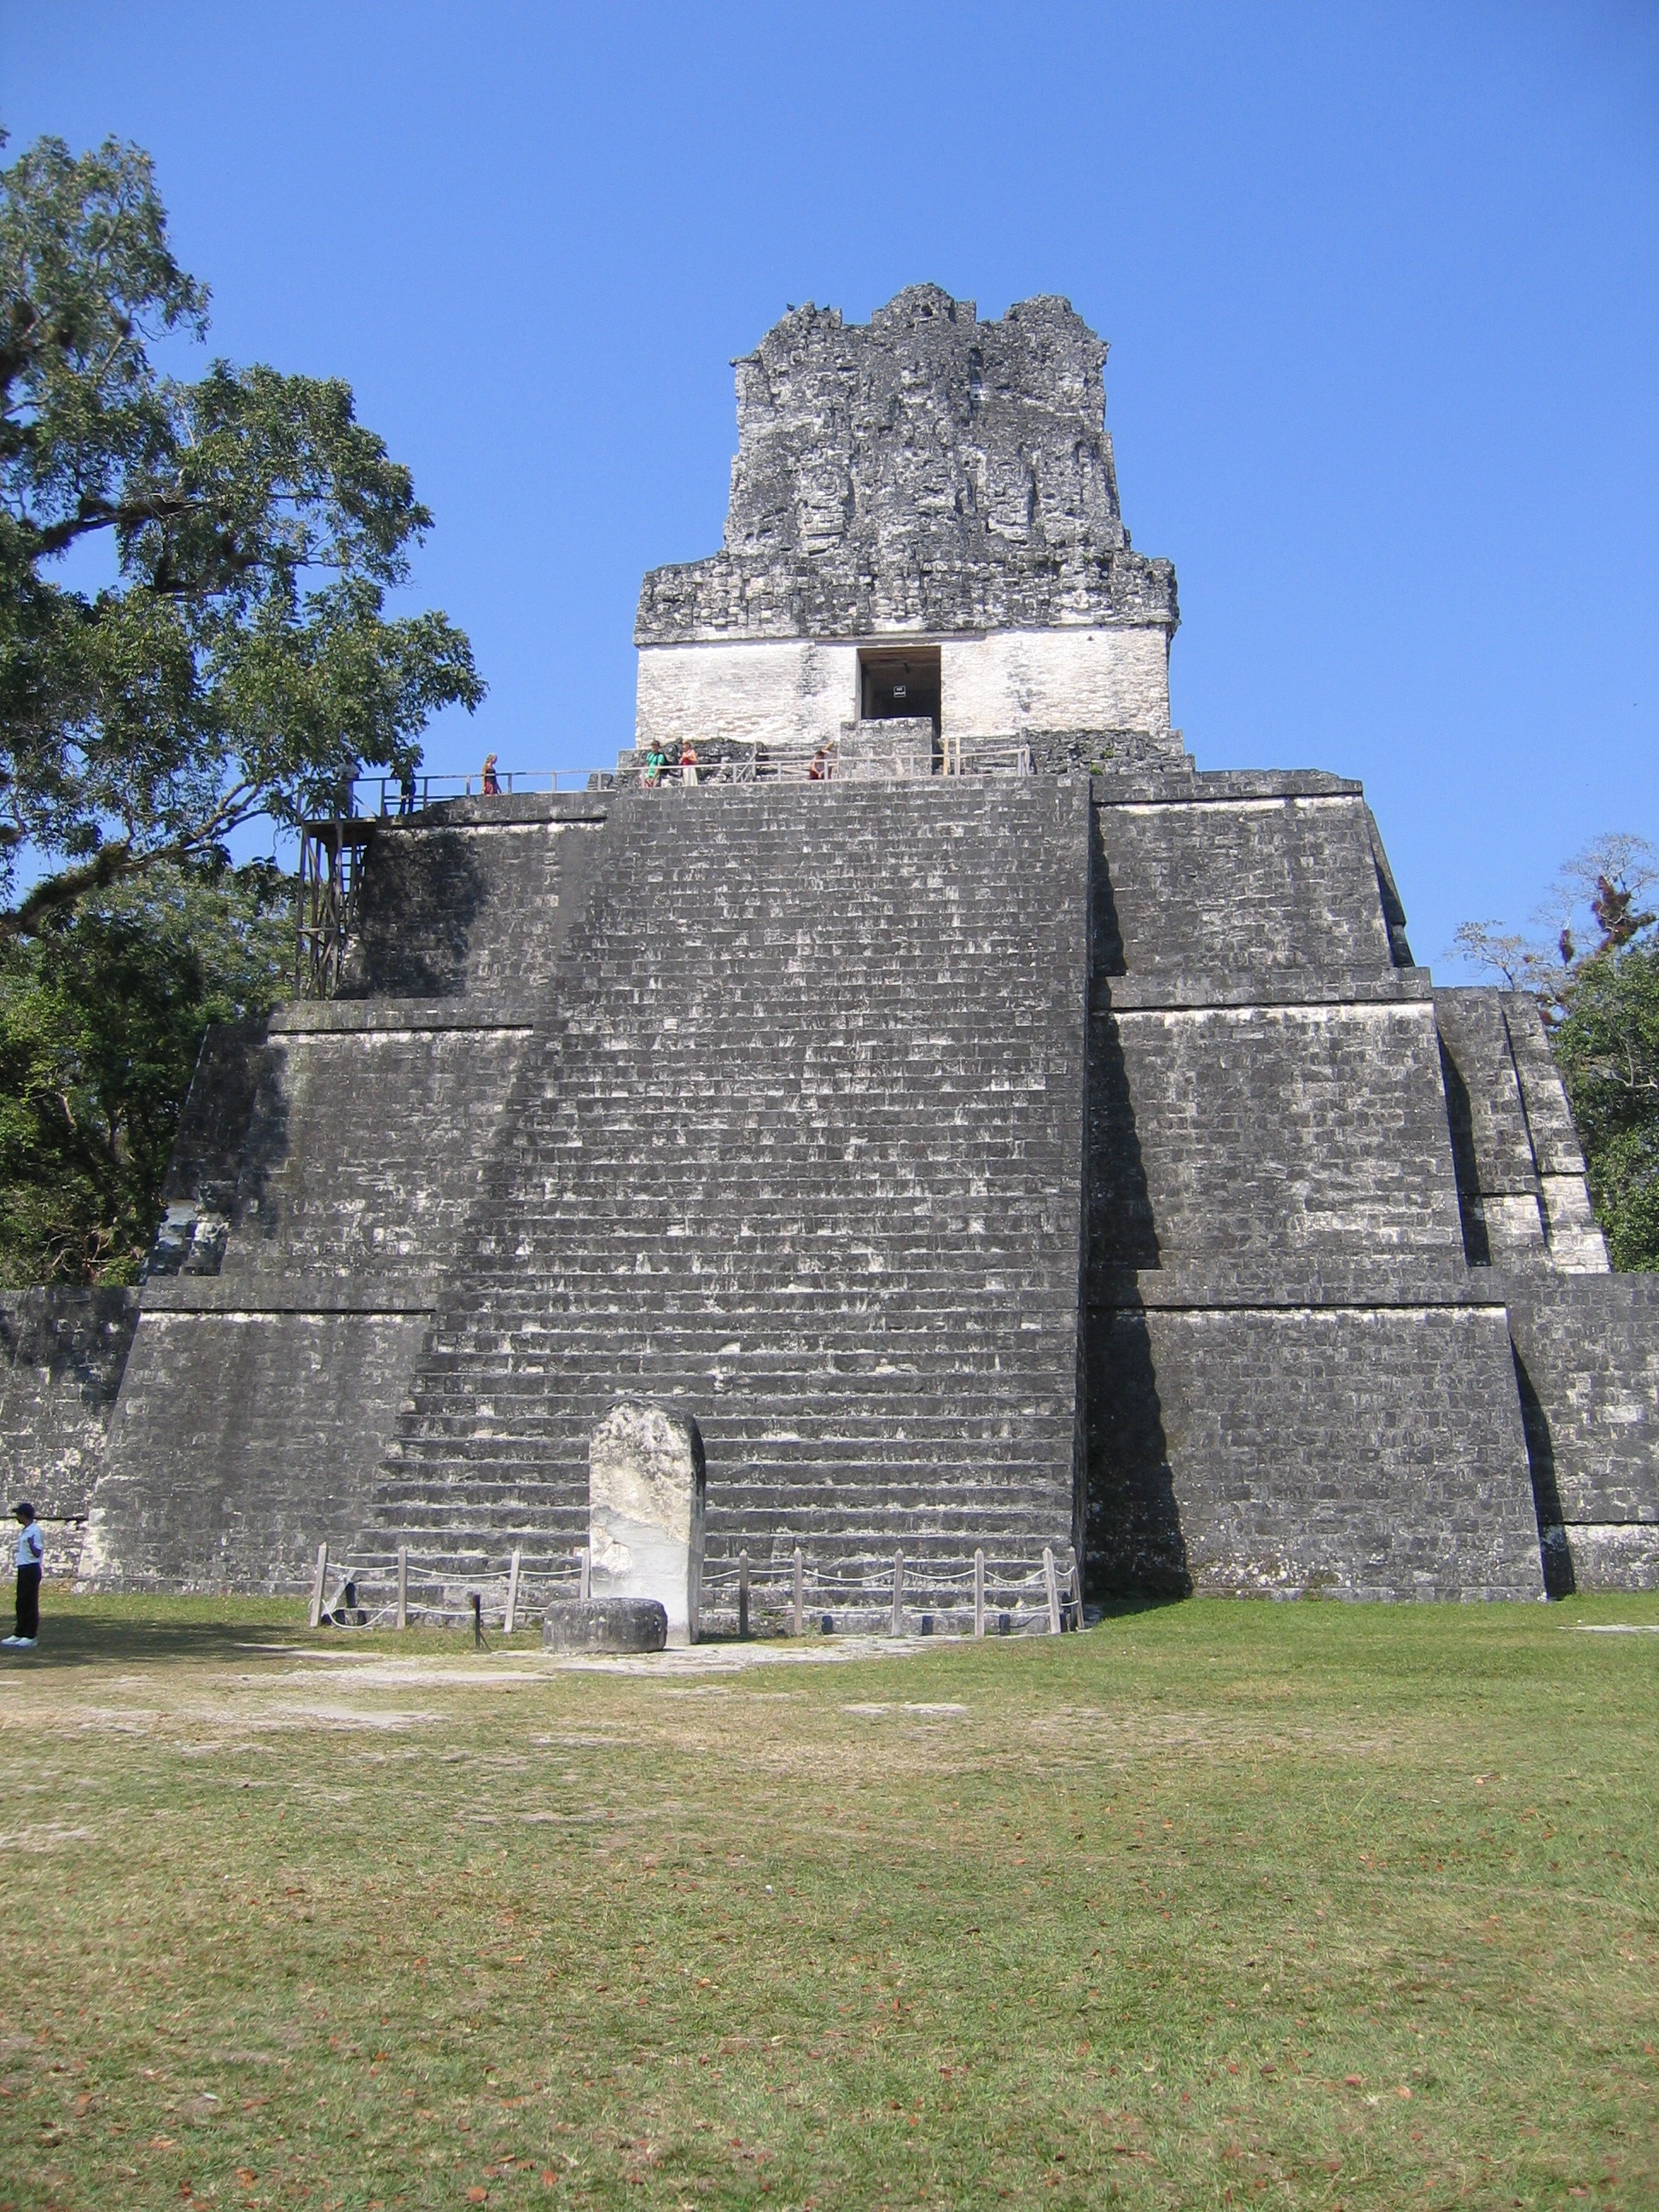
(995, 1131)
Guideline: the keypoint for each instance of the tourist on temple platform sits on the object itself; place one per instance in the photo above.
(689, 765)
(31, 1550)
(492, 783)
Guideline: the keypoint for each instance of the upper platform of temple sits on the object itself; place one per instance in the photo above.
(924, 523)
(923, 472)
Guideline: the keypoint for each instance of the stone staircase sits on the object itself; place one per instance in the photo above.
(799, 1149)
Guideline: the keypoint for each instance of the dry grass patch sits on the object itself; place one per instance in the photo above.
(1217, 1904)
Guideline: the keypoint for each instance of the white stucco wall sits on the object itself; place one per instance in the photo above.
(792, 690)
(786, 691)
(1055, 679)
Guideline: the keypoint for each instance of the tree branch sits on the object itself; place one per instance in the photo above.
(113, 863)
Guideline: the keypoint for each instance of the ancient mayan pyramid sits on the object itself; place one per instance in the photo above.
(996, 1131)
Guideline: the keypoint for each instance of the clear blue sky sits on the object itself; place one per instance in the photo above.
(1381, 284)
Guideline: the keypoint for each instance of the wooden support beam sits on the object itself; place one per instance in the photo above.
(318, 1586)
(1052, 1580)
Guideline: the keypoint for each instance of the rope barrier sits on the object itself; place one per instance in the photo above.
(745, 1590)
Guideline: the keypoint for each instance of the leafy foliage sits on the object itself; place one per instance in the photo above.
(241, 661)
(1607, 1047)
(102, 1014)
(1601, 1006)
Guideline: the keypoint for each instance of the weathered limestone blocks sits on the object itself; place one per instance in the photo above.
(1520, 1173)
(1087, 678)
(1587, 1360)
(923, 476)
(62, 1353)
(646, 1483)
(614, 1624)
(1222, 879)
(924, 471)
(812, 1108)
(878, 753)
(244, 1437)
(1361, 1452)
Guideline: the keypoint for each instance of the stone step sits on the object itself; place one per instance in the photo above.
(750, 986)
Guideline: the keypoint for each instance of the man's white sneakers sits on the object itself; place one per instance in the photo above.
(18, 1643)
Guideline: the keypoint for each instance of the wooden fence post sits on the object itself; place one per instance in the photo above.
(897, 1626)
(403, 1585)
(1077, 1591)
(1052, 1580)
(742, 1593)
(512, 1591)
(585, 1571)
(800, 1592)
(318, 1586)
(979, 1592)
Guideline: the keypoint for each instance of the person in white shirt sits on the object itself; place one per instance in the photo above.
(31, 1551)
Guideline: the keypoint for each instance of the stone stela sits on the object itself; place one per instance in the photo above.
(645, 1512)
(909, 1072)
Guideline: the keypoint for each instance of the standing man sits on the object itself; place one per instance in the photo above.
(31, 1550)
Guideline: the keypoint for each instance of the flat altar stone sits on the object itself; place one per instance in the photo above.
(608, 1624)
(645, 1511)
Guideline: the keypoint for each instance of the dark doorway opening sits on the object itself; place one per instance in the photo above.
(899, 682)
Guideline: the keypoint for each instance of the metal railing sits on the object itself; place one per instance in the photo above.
(821, 764)
(386, 795)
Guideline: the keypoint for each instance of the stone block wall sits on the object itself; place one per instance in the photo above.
(806, 1109)
(1280, 1135)
(364, 1145)
(801, 1156)
(62, 1355)
(1587, 1361)
(363, 1150)
(475, 902)
(1360, 1451)
(1294, 1384)
(1520, 1171)
(1218, 882)
(793, 692)
(328, 1162)
(246, 1436)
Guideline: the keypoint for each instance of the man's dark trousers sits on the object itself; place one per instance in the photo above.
(28, 1600)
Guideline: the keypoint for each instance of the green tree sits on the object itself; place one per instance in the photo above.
(1598, 985)
(1607, 1047)
(103, 1013)
(238, 659)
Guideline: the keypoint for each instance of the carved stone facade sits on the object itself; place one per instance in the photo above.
(926, 481)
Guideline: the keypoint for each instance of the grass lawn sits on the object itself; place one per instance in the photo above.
(1216, 1904)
